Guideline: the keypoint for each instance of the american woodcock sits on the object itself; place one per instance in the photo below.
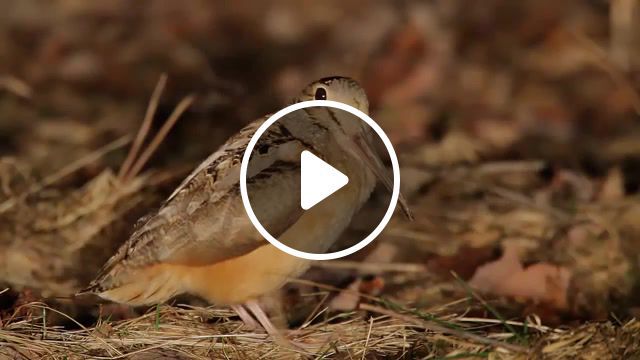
(201, 240)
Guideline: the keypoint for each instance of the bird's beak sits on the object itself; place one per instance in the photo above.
(367, 152)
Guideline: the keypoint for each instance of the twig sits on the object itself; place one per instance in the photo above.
(16, 86)
(372, 267)
(525, 200)
(144, 128)
(315, 312)
(486, 168)
(621, 30)
(540, 328)
(366, 343)
(499, 167)
(162, 133)
(334, 288)
(441, 329)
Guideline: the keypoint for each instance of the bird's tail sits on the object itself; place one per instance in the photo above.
(145, 286)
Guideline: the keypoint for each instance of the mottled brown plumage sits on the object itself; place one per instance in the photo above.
(201, 240)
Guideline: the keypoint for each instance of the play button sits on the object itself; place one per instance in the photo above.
(318, 180)
(292, 190)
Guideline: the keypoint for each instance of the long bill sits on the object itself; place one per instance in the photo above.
(373, 162)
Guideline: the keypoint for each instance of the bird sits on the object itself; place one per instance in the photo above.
(201, 241)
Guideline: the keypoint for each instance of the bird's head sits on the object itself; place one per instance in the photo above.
(346, 91)
(353, 135)
(337, 88)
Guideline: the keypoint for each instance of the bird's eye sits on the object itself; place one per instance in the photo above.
(321, 94)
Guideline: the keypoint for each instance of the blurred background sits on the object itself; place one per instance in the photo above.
(516, 122)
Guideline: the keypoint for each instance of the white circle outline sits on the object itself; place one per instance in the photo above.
(394, 194)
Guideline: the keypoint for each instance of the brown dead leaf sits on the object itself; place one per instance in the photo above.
(405, 123)
(394, 61)
(347, 299)
(542, 282)
(455, 147)
(419, 81)
(581, 186)
(496, 133)
(613, 186)
(464, 262)
(385, 252)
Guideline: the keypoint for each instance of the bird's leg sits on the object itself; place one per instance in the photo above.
(248, 320)
(263, 319)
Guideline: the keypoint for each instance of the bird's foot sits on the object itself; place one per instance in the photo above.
(280, 338)
(248, 320)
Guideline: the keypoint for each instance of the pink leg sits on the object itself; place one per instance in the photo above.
(263, 319)
(248, 320)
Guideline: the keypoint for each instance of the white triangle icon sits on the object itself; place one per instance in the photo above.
(318, 180)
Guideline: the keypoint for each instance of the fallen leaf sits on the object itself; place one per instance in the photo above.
(349, 298)
(455, 147)
(541, 282)
(464, 263)
(394, 61)
(613, 186)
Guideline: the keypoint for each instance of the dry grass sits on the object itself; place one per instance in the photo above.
(213, 333)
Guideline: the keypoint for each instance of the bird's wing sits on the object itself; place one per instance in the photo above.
(204, 220)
